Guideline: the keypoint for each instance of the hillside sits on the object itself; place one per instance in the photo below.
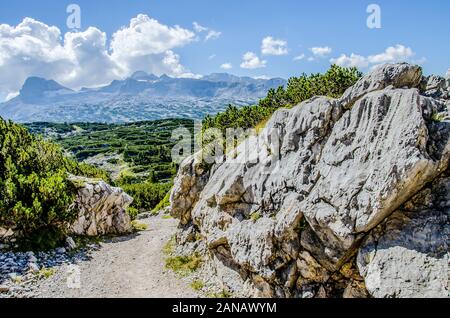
(136, 156)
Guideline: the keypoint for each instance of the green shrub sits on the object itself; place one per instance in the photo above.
(164, 203)
(437, 117)
(332, 84)
(132, 212)
(146, 195)
(35, 193)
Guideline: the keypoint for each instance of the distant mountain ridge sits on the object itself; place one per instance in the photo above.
(142, 96)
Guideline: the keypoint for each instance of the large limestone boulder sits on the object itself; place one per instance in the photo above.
(290, 207)
(101, 208)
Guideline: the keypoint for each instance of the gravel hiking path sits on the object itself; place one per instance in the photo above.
(124, 267)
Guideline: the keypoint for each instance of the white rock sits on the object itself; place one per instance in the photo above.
(60, 250)
(32, 267)
(70, 244)
(102, 208)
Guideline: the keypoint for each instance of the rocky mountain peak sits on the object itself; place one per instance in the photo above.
(36, 87)
(143, 76)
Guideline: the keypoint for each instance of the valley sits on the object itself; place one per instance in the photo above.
(136, 156)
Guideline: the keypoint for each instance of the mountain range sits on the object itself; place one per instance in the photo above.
(140, 97)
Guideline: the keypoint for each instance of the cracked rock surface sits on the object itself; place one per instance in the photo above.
(335, 198)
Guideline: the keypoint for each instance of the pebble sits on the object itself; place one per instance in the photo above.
(144, 216)
(60, 250)
(18, 270)
(32, 267)
(4, 289)
(13, 276)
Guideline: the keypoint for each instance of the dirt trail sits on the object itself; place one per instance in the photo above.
(131, 266)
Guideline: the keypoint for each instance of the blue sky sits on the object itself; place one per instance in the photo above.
(416, 31)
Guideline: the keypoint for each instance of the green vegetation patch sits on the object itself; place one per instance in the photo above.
(137, 155)
(35, 193)
(197, 285)
(138, 226)
(184, 265)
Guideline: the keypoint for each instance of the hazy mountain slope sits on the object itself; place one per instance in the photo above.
(141, 97)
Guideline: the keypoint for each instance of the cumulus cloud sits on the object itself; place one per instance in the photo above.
(321, 51)
(252, 61)
(354, 60)
(210, 33)
(392, 54)
(271, 46)
(31, 47)
(78, 59)
(226, 66)
(146, 40)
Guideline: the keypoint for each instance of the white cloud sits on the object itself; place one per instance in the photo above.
(199, 28)
(226, 66)
(31, 47)
(262, 77)
(353, 60)
(210, 33)
(252, 61)
(78, 59)
(146, 40)
(213, 35)
(212, 57)
(91, 65)
(271, 46)
(11, 96)
(299, 57)
(321, 51)
(392, 54)
(310, 59)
